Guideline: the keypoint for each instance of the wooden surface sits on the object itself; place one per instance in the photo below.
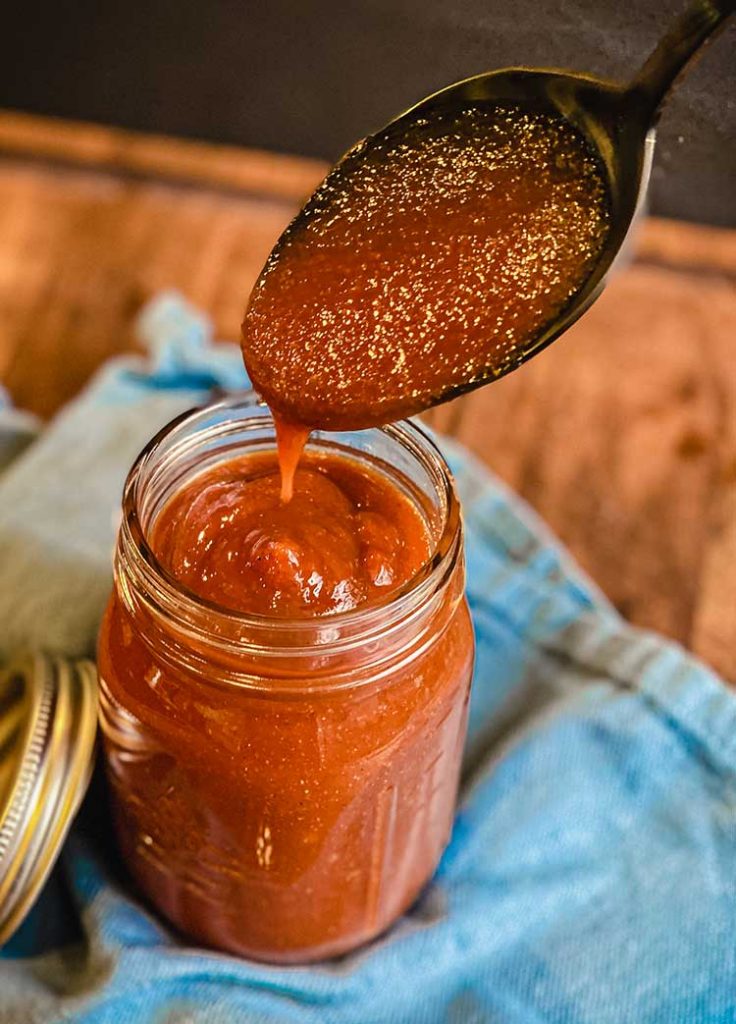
(622, 435)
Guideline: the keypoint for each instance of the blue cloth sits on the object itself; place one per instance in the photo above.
(591, 874)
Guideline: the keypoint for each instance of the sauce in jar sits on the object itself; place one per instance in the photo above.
(346, 537)
(284, 687)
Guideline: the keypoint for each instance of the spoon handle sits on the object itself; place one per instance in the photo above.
(674, 51)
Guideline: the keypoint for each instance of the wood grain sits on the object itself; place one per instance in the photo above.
(622, 435)
(131, 154)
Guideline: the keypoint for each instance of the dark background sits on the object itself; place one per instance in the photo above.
(310, 77)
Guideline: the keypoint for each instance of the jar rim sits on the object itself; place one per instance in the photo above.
(192, 607)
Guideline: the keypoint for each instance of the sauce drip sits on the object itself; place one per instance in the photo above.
(290, 441)
(348, 536)
(420, 266)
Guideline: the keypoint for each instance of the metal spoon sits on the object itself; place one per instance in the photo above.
(619, 120)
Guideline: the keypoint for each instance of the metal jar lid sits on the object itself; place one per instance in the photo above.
(48, 723)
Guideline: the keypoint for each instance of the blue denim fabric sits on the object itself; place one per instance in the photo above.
(590, 877)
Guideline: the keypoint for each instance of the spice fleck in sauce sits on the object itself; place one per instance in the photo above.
(417, 268)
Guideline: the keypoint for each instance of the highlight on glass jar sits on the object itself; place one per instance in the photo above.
(284, 689)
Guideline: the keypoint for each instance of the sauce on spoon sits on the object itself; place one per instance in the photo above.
(417, 268)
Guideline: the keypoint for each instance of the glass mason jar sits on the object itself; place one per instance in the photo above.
(282, 789)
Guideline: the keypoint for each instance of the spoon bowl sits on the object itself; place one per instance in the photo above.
(397, 371)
